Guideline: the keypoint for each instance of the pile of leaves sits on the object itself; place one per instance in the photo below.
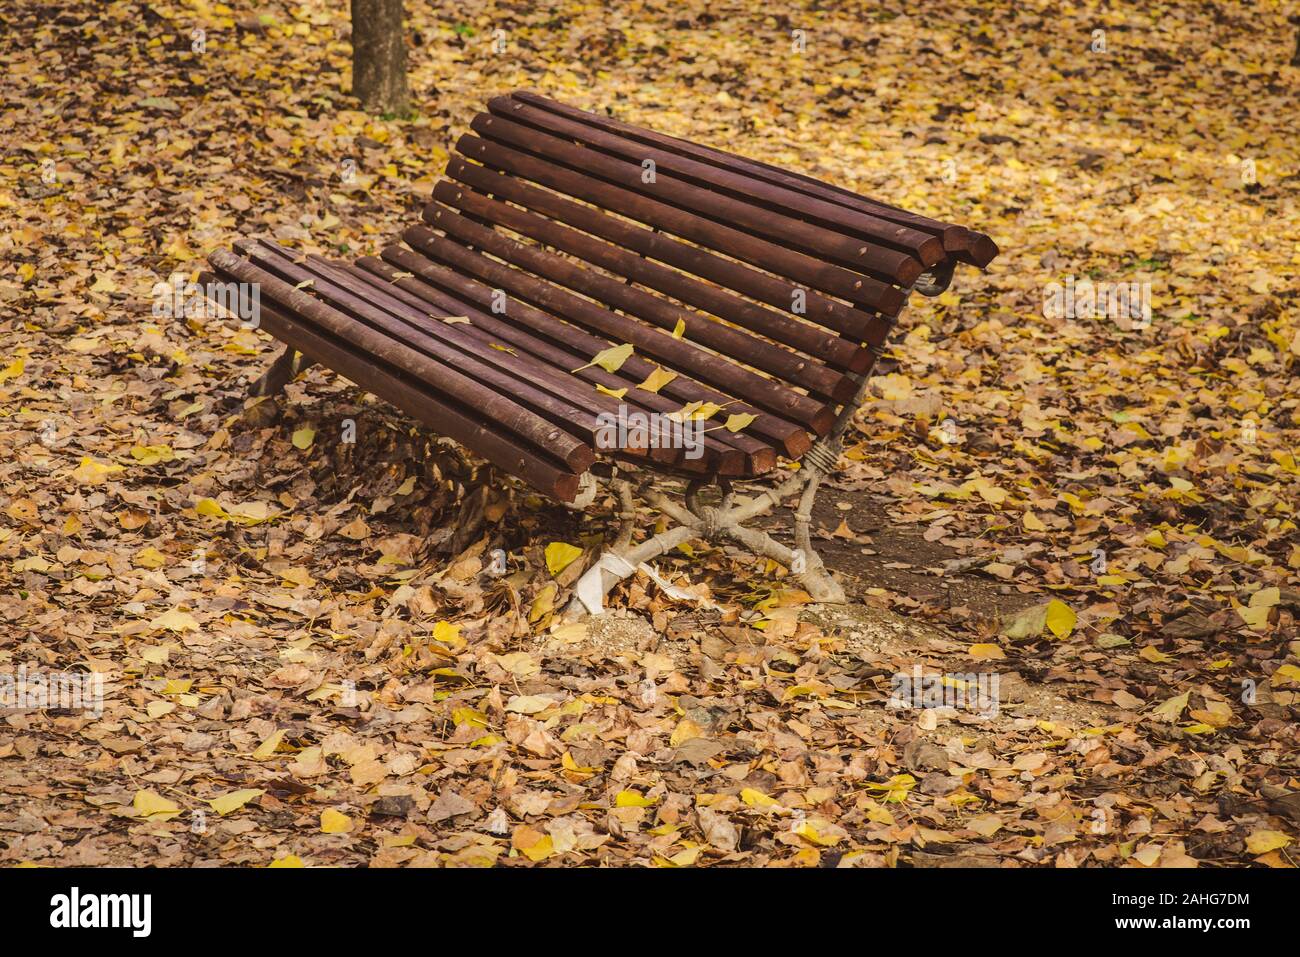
(326, 637)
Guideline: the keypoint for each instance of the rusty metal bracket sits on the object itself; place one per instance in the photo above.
(281, 372)
(936, 280)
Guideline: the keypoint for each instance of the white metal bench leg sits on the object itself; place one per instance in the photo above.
(711, 524)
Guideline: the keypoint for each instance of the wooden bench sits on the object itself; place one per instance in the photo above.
(752, 296)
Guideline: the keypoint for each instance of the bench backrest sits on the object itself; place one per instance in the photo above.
(769, 289)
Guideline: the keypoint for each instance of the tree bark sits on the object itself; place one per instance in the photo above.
(379, 56)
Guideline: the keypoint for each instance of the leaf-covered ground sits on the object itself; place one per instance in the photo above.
(304, 660)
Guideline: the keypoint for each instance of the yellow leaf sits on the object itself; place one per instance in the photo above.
(174, 620)
(571, 765)
(154, 807)
(1266, 597)
(334, 822)
(1060, 618)
(1289, 674)
(560, 555)
(532, 843)
(896, 788)
(470, 716)
(1072, 500)
(1173, 707)
(149, 557)
(680, 329)
(1032, 523)
(543, 604)
(616, 393)
(229, 803)
(212, 509)
(152, 454)
(1263, 841)
(657, 380)
(13, 369)
(757, 799)
(267, 747)
(631, 798)
(289, 860)
(253, 513)
(1154, 655)
(808, 832)
(611, 359)
(685, 730)
(739, 420)
(446, 633)
(303, 438)
(985, 651)
(90, 472)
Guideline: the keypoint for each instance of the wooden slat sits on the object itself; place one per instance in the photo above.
(727, 273)
(782, 254)
(864, 258)
(963, 244)
(711, 368)
(552, 364)
(532, 386)
(396, 374)
(794, 270)
(555, 333)
(760, 353)
(735, 454)
(789, 435)
(890, 249)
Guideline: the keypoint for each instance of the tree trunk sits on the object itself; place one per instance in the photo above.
(379, 56)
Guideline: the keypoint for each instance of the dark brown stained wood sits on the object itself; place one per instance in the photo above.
(573, 338)
(530, 291)
(713, 369)
(860, 255)
(555, 367)
(888, 245)
(728, 454)
(729, 274)
(782, 230)
(800, 334)
(523, 372)
(437, 374)
(532, 385)
(543, 332)
(286, 316)
(964, 244)
(802, 269)
(788, 366)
